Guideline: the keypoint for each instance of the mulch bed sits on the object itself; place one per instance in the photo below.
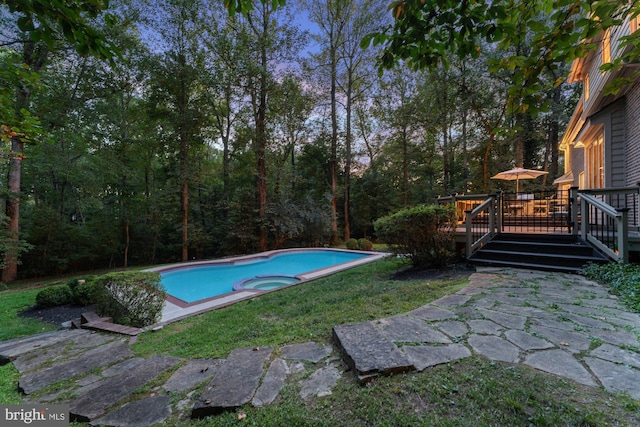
(452, 271)
(56, 315)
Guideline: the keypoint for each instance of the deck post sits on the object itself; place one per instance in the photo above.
(498, 224)
(623, 236)
(585, 219)
(469, 235)
(574, 225)
(492, 219)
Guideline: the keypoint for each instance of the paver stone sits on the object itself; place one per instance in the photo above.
(235, 382)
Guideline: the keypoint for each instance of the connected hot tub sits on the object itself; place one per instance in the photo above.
(264, 283)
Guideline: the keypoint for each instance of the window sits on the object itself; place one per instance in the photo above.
(586, 87)
(633, 24)
(595, 162)
(606, 46)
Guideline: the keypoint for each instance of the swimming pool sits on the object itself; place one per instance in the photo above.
(194, 282)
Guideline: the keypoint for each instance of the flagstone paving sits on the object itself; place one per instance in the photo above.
(561, 324)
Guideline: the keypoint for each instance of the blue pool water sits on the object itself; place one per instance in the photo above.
(197, 282)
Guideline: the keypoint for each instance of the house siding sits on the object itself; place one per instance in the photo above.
(632, 134)
(577, 163)
(617, 161)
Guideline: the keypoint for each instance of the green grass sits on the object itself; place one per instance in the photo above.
(13, 326)
(471, 392)
(302, 313)
(9, 393)
(468, 392)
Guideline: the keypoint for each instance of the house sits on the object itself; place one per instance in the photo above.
(601, 144)
(597, 200)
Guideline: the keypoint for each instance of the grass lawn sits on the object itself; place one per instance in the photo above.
(469, 392)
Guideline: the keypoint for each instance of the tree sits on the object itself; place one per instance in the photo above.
(271, 41)
(41, 25)
(180, 105)
(362, 17)
(332, 17)
(425, 33)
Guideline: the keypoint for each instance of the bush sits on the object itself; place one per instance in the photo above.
(422, 233)
(351, 244)
(131, 298)
(365, 244)
(86, 293)
(622, 279)
(54, 296)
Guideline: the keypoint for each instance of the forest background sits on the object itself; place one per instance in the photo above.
(213, 134)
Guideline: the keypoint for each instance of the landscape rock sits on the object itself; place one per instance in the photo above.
(142, 413)
(321, 382)
(368, 352)
(194, 372)
(101, 356)
(235, 382)
(90, 406)
(309, 351)
(271, 383)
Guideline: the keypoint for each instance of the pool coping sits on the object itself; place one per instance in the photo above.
(176, 309)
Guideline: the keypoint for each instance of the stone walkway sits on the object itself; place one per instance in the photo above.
(558, 323)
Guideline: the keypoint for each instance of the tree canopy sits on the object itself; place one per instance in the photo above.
(537, 37)
(47, 20)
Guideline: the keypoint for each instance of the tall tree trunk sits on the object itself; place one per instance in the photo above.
(465, 153)
(184, 160)
(334, 148)
(34, 57)
(261, 137)
(347, 166)
(184, 203)
(446, 167)
(405, 168)
(519, 140)
(10, 271)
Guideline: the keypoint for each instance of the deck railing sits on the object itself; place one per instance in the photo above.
(606, 217)
(603, 217)
(478, 213)
(481, 224)
(535, 212)
(463, 202)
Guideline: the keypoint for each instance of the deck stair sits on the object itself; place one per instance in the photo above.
(550, 252)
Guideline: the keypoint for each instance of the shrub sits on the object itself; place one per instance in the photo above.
(131, 298)
(365, 244)
(86, 293)
(622, 279)
(422, 233)
(54, 296)
(351, 244)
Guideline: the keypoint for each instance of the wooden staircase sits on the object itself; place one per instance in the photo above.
(550, 252)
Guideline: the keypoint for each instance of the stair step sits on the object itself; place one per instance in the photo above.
(540, 247)
(533, 266)
(539, 238)
(535, 257)
(552, 252)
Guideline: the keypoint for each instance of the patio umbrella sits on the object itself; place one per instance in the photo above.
(518, 174)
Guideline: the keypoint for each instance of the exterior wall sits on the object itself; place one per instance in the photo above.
(577, 164)
(617, 117)
(632, 119)
(616, 162)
